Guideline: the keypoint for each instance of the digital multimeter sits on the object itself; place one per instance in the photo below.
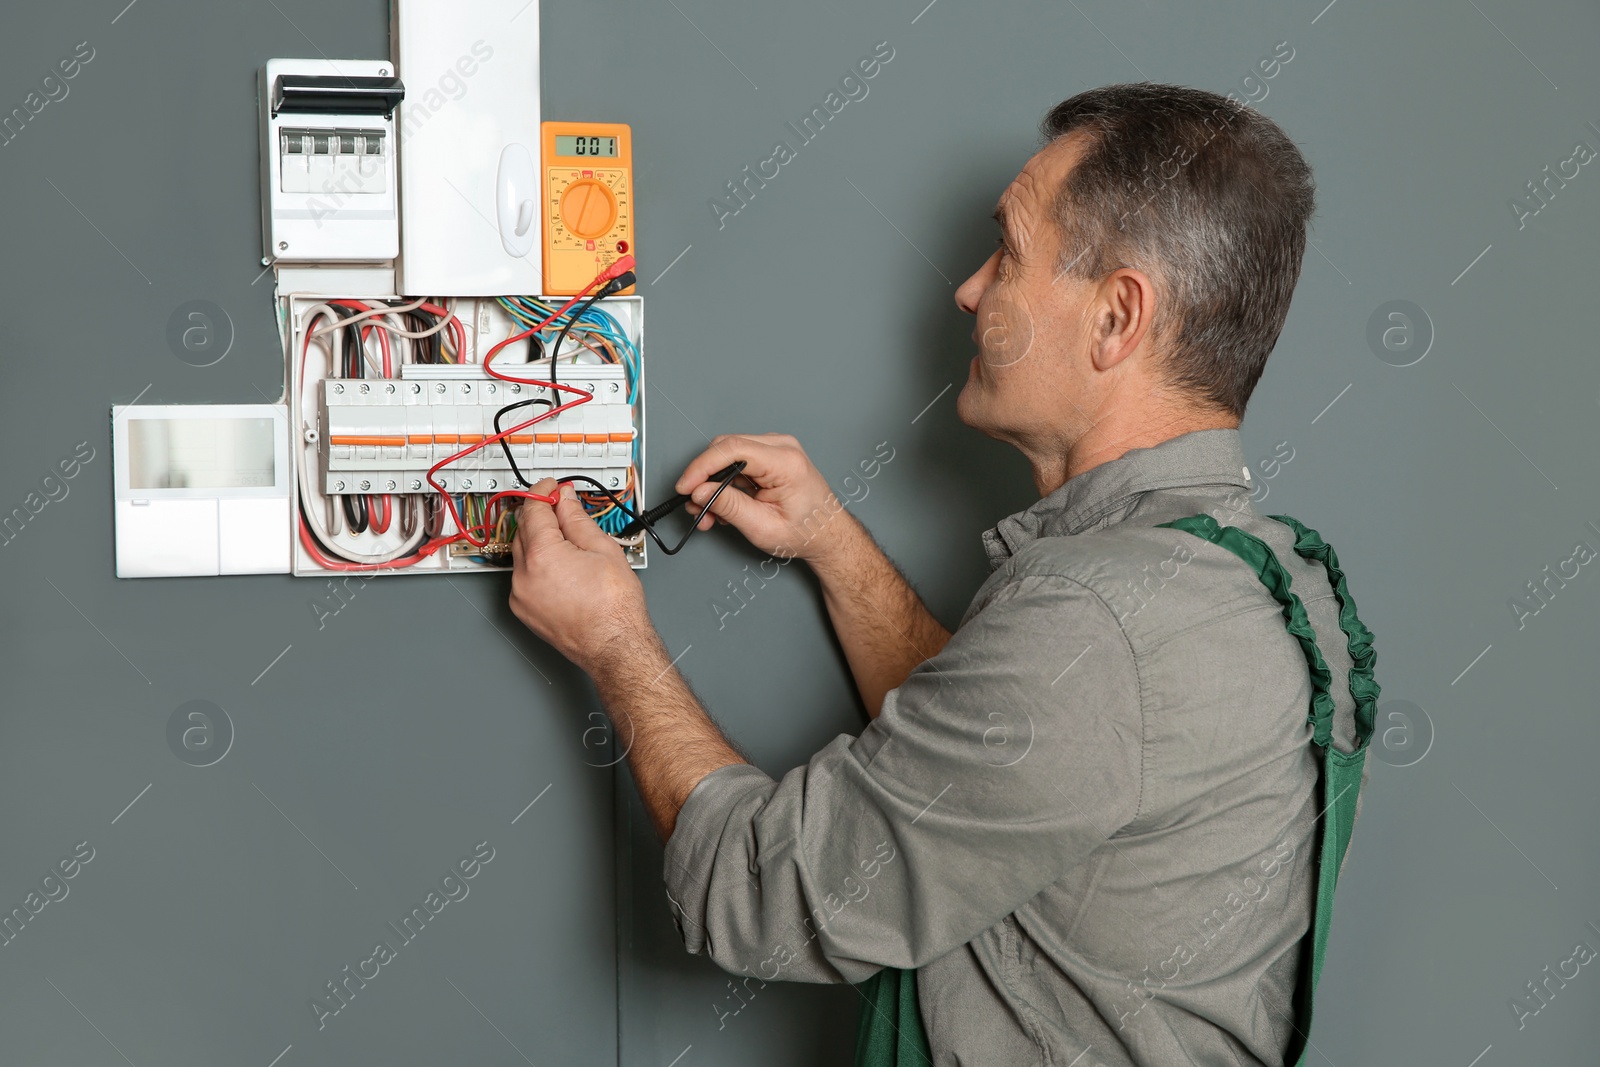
(588, 186)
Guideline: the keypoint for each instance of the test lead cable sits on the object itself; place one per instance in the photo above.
(647, 521)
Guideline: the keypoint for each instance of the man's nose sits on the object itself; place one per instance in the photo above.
(971, 290)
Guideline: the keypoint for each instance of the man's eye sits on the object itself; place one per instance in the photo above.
(1001, 241)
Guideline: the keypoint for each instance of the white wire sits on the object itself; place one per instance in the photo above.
(316, 501)
(382, 309)
(395, 327)
(429, 332)
(367, 357)
(335, 518)
(409, 353)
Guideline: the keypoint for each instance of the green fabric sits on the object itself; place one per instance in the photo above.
(890, 1032)
(1341, 771)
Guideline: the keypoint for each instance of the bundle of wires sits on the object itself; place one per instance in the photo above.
(586, 330)
(595, 330)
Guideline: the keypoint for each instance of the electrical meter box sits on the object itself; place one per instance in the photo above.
(329, 188)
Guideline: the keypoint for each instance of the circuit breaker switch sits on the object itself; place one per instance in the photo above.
(370, 167)
(295, 173)
(346, 170)
(320, 161)
(619, 437)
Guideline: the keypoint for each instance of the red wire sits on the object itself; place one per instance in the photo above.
(450, 503)
(366, 331)
(583, 397)
(380, 518)
(616, 269)
(488, 356)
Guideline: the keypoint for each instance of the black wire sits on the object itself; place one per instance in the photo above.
(329, 550)
(535, 352)
(355, 363)
(434, 342)
(355, 512)
(577, 313)
(649, 527)
(505, 446)
(417, 322)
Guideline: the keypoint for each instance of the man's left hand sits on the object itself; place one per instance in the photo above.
(571, 584)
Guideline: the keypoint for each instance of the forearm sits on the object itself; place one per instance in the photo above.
(670, 741)
(881, 622)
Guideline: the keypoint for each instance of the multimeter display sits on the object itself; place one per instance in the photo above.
(588, 147)
(588, 202)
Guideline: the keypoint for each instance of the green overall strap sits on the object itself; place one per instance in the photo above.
(1341, 771)
(890, 1033)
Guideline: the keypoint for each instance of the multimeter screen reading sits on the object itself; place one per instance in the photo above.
(596, 147)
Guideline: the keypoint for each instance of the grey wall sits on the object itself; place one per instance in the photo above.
(419, 721)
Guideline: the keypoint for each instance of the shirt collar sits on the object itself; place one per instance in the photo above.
(1202, 457)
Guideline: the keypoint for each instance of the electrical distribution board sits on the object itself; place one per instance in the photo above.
(431, 373)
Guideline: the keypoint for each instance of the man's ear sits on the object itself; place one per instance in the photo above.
(1126, 304)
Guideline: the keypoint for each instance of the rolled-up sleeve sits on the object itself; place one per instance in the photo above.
(994, 769)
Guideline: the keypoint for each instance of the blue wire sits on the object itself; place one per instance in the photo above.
(528, 312)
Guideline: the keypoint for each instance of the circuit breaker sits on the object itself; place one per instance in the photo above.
(386, 436)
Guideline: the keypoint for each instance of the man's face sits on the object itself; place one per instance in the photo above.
(1026, 384)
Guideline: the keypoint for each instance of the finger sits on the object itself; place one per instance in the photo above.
(763, 458)
(578, 527)
(536, 522)
(732, 505)
(701, 522)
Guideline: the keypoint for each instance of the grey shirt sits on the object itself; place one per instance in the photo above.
(1087, 822)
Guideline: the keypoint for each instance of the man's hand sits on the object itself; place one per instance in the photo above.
(572, 585)
(883, 626)
(789, 513)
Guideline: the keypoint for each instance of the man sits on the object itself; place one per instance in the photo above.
(1087, 818)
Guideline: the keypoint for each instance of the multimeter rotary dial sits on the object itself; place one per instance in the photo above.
(588, 208)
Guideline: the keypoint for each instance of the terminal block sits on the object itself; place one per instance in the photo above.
(384, 435)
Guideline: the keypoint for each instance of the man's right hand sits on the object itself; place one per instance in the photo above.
(783, 505)
(781, 502)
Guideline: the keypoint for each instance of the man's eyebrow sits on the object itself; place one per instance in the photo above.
(1004, 220)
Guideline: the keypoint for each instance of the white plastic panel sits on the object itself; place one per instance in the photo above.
(201, 489)
(327, 179)
(471, 73)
